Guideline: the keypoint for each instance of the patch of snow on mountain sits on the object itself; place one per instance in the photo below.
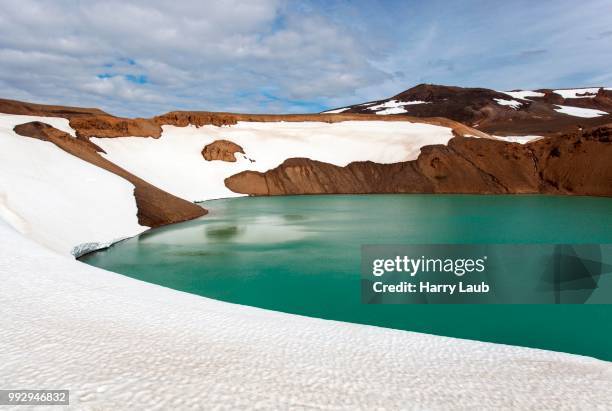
(338, 110)
(175, 164)
(57, 199)
(59, 123)
(573, 93)
(523, 94)
(392, 110)
(395, 104)
(518, 139)
(580, 112)
(510, 103)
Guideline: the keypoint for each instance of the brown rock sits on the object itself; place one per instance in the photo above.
(471, 165)
(579, 163)
(109, 126)
(571, 164)
(41, 131)
(305, 176)
(155, 207)
(202, 118)
(223, 150)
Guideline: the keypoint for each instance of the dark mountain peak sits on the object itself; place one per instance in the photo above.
(437, 92)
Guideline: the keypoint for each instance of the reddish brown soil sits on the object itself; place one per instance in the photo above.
(576, 163)
(155, 207)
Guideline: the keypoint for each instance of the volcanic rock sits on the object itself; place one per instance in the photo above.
(155, 207)
(576, 163)
(223, 150)
(494, 112)
(109, 126)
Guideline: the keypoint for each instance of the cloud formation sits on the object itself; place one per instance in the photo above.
(146, 57)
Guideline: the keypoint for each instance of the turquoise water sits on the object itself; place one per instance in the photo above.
(301, 255)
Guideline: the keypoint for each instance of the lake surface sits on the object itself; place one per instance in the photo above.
(301, 255)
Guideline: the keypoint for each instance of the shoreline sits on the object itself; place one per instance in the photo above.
(234, 212)
(223, 346)
(348, 195)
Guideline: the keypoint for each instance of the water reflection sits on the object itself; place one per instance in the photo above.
(225, 233)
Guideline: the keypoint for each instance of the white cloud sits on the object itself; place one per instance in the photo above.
(285, 56)
(193, 54)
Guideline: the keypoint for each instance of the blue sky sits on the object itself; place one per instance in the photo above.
(140, 58)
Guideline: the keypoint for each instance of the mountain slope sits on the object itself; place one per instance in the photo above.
(573, 164)
(521, 112)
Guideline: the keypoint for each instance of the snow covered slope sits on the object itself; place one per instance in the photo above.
(175, 164)
(518, 139)
(518, 112)
(579, 111)
(510, 103)
(118, 343)
(588, 92)
(523, 94)
(393, 107)
(57, 199)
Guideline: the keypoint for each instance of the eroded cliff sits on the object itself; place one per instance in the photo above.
(91, 122)
(577, 163)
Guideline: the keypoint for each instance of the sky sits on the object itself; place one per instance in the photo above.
(142, 58)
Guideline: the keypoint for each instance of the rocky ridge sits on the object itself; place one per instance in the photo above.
(155, 207)
(574, 160)
(532, 112)
(96, 123)
(572, 164)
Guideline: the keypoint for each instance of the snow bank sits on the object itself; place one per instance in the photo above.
(573, 93)
(579, 111)
(11, 120)
(523, 94)
(518, 139)
(175, 164)
(57, 199)
(338, 110)
(394, 107)
(118, 343)
(511, 103)
(392, 110)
